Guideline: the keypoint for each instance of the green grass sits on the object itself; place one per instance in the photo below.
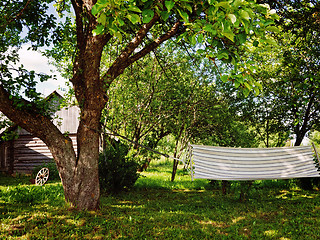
(159, 209)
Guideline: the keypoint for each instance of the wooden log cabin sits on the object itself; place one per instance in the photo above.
(25, 151)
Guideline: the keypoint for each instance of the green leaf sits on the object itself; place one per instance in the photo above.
(255, 43)
(147, 15)
(165, 15)
(247, 85)
(120, 21)
(184, 15)
(256, 91)
(268, 22)
(169, 5)
(119, 36)
(273, 29)
(246, 92)
(102, 19)
(224, 78)
(101, 4)
(233, 18)
(237, 3)
(242, 38)
(134, 9)
(134, 18)
(200, 38)
(236, 84)
(271, 41)
(259, 85)
(209, 28)
(193, 39)
(244, 14)
(225, 5)
(95, 9)
(98, 30)
(229, 35)
(201, 51)
(222, 55)
(188, 7)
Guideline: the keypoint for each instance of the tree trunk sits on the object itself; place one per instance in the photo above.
(82, 188)
(305, 183)
(299, 139)
(174, 169)
(79, 174)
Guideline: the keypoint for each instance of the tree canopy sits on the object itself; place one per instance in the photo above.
(291, 70)
(221, 31)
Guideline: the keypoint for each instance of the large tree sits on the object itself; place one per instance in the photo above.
(137, 27)
(291, 71)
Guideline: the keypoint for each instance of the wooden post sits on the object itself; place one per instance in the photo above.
(190, 161)
(11, 157)
(2, 157)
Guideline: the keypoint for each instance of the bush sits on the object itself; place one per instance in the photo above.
(117, 170)
(53, 171)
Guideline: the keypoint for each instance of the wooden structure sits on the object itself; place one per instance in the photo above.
(26, 151)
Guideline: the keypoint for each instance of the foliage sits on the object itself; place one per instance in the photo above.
(221, 27)
(53, 171)
(315, 137)
(171, 98)
(16, 16)
(265, 117)
(117, 169)
(150, 101)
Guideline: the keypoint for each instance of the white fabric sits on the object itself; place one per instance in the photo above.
(221, 163)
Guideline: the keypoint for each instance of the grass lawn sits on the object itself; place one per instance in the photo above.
(159, 209)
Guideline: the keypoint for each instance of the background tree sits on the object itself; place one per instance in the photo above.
(140, 27)
(296, 79)
(173, 92)
(159, 96)
(289, 73)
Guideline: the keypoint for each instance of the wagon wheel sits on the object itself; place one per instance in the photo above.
(42, 176)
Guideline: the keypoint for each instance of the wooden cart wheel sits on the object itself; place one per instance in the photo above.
(42, 176)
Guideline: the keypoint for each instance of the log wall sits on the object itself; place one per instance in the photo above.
(30, 152)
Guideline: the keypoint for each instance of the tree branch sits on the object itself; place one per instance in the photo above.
(153, 45)
(30, 120)
(77, 6)
(89, 50)
(121, 62)
(124, 60)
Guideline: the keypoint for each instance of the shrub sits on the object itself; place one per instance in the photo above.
(53, 171)
(117, 170)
